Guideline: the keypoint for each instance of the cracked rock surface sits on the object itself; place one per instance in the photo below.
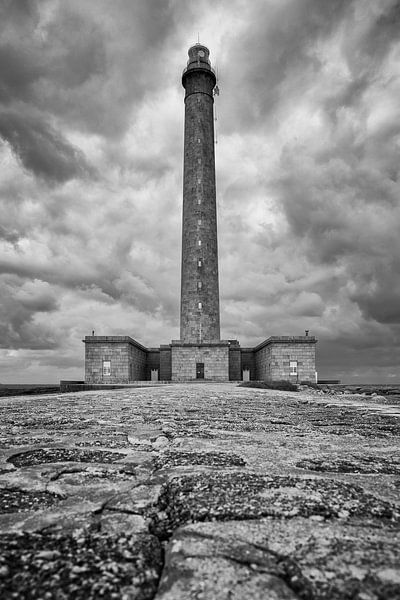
(207, 491)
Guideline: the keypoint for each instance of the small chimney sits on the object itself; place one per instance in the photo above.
(307, 332)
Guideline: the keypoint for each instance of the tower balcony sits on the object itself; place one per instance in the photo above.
(200, 67)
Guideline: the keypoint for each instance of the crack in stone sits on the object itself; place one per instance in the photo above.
(287, 568)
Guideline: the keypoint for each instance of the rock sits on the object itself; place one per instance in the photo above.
(48, 554)
(115, 523)
(4, 571)
(161, 442)
(280, 560)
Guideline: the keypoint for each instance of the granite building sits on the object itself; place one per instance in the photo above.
(199, 353)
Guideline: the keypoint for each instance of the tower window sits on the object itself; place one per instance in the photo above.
(198, 140)
(199, 285)
(198, 221)
(200, 305)
(199, 263)
(199, 242)
(198, 200)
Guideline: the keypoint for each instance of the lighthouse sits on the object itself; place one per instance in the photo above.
(199, 354)
(199, 315)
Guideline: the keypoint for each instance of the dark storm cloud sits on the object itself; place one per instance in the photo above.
(342, 196)
(9, 235)
(348, 218)
(19, 69)
(78, 65)
(278, 45)
(87, 63)
(20, 303)
(41, 148)
(377, 292)
(377, 39)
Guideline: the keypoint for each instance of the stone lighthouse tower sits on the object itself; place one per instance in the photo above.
(199, 282)
(200, 353)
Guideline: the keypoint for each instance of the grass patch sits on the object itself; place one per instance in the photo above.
(310, 384)
(286, 386)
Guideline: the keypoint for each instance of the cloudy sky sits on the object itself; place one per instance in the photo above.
(91, 140)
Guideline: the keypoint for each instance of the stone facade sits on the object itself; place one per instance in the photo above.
(199, 274)
(114, 359)
(185, 359)
(289, 358)
(235, 372)
(277, 358)
(165, 362)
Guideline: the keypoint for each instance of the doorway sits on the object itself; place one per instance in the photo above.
(246, 375)
(154, 374)
(199, 370)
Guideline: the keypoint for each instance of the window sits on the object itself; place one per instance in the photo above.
(198, 221)
(199, 242)
(293, 367)
(199, 285)
(106, 368)
(198, 200)
(200, 305)
(199, 263)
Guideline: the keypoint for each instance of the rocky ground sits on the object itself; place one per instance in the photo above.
(207, 491)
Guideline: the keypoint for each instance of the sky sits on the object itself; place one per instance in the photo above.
(307, 162)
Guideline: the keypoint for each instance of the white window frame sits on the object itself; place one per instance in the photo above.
(106, 368)
(293, 364)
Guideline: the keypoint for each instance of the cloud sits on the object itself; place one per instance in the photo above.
(42, 149)
(274, 58)
(91, 120)
(22, 307)
(88, 64)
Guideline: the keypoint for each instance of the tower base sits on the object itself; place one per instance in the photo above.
(200, 361)
(122, 360)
